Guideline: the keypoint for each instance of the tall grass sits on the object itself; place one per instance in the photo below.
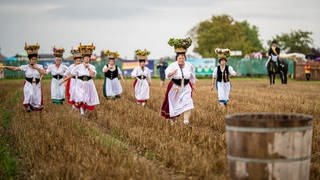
(127, 141)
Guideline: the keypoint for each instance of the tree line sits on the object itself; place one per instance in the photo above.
(223, 31)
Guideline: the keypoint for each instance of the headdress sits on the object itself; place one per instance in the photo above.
(180, 45)
(222, 53)
(32, 50)
(58, 52)
(142, 54)
(86, 50)
(75, 53)
(111, 54)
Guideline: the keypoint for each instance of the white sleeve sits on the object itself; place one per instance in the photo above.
(104, 68)
(193, 77)
(67, 72)
(168, 70)
(134, 72)
(149, 74)
(23, 67)
(231, 71)
(40, 66)
(65, 69)
(49, 69)
(74, 72)
(93, 68)
(215, 71)
(119, 71)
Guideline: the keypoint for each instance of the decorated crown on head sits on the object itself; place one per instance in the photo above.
(180, 45)
(142, 54)
(75, 53)
(58, 52)
(31, 49)
(86, 50)
(111, 54)
(222, 53)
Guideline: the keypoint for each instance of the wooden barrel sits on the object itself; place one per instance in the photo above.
(269, 145)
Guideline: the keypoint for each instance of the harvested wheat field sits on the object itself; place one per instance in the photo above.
(124, 141)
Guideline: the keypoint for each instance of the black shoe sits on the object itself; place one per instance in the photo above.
(29, 109)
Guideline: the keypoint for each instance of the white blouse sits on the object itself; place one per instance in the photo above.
(54, 70)
(137, 71)
(30, 72)
(188, 71)
(81, 70)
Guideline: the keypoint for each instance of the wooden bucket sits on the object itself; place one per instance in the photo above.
(269, 145)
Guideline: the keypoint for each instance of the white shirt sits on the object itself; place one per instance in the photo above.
(188, 71)
(81, 70)
(137, 71)
(30, 72)
(54, 70)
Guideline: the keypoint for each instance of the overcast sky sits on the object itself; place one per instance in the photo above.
(126, 25)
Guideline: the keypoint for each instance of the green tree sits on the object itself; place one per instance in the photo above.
(295, 41)
(224, 32)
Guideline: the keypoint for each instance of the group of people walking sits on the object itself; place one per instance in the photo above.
(80, 91)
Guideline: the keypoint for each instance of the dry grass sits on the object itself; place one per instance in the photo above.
(128, 141)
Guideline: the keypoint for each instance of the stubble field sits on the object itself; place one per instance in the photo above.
(122, 140)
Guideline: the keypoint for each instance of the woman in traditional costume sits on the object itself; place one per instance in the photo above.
(178, 98)
(85, 92)
(222, 75)
(57, 71)
(142, 75)
(111, 87)
(32, 87)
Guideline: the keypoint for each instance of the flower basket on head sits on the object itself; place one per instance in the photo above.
(142, 54)
(58, 52)
(111, 54)
(222, 53)
(86, 50)
(75, 53)
(32, 49)
(180, 45)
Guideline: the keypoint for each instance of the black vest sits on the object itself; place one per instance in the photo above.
(223, 76)
(111, 74)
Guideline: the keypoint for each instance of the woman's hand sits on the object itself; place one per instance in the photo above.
(194, 88)
(173, 72)
(106, 69)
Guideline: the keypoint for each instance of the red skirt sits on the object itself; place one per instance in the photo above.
(165, 105)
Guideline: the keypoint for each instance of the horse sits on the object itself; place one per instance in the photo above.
(272, 71)
(283, 71)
